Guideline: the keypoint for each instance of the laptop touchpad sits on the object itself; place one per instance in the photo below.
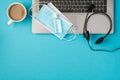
(97, 23)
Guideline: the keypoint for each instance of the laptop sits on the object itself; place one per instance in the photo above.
(75, 11)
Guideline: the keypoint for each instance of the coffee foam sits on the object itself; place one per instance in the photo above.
(16, 12)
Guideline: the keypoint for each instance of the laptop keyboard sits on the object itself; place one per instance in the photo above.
(78, 6)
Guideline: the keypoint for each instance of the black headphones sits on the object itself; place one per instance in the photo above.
(86, 33)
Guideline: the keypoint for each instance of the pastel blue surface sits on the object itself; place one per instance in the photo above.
(26, 56)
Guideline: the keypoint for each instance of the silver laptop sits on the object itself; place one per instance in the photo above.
(75, 11)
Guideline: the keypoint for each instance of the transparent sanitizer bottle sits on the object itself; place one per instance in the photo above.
(57, 24)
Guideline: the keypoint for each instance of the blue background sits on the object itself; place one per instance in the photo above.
(27, 56)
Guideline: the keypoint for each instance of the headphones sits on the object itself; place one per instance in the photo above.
(86, 32)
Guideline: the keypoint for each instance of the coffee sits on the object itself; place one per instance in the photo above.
(16, 12)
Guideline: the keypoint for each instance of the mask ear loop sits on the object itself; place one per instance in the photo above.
(73, 37)
(34, 5)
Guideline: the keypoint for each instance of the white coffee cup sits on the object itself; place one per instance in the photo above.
(17, 9)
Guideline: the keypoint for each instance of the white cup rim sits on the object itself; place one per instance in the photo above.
(12, 5)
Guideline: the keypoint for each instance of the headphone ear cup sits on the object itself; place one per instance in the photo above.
(91, 7)
(87, 35)
(100, 40)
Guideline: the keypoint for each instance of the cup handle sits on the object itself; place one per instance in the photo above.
(10, 22)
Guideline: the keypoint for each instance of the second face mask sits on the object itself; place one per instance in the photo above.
(54, 21)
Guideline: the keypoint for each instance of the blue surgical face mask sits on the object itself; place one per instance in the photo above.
(54, 21)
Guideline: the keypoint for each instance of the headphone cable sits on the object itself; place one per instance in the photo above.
(102, 50)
